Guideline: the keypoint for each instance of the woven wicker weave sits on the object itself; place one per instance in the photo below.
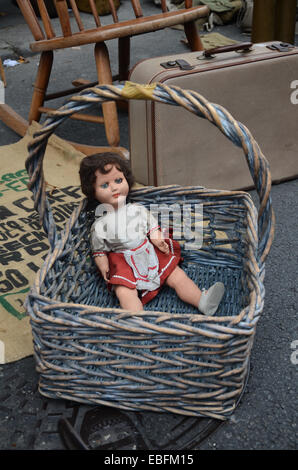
(168, 358)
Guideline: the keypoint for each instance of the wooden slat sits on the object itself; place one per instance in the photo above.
(2, 73)
(31, 19)
(13, 120)
(113, 11)
(90, 149)
(109, 109)
(78, 86)
(41, 84)
(137, 8)
(77, 14)
(82, 82)
(193, 37)
(124, 29)
(164, 5)
(94, 12)
(188, 3)
(124, 57)
(76, 116)
(62, 10)
(45, 19)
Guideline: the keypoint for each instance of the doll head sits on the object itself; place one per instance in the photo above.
(99, 171)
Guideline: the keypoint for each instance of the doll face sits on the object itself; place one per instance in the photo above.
(111, 188)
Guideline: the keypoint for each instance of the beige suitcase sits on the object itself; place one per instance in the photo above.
(257, 84)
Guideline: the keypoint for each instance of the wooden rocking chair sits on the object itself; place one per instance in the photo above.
(47, 41)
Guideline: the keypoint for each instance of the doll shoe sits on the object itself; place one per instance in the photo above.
(210, 299)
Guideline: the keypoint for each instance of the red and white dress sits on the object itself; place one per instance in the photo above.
(134, 261)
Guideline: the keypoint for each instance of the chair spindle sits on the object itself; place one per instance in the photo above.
(94, 12)
(113, 11)
(76, 14)
(62, 10)
(30, 17)
(45, 19)
(137, 8)
(164, 6)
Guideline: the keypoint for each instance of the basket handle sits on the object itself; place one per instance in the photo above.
(190, 100)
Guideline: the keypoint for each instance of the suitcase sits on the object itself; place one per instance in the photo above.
(256, 83)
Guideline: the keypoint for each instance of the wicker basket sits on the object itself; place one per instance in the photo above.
(169, 358)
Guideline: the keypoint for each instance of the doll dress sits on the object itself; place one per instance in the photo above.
(133, 260)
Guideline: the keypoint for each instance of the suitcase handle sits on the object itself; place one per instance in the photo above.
(244, 46)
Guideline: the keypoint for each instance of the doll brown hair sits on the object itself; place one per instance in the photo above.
(99, 161)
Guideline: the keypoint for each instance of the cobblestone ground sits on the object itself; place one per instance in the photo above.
(29, 421)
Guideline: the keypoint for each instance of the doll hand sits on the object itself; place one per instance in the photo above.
(105, 274)
(102, 263)
(158, 241)
(163, 246)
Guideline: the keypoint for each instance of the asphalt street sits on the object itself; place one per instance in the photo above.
(266, 417)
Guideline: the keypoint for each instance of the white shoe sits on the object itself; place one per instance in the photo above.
(210, 299)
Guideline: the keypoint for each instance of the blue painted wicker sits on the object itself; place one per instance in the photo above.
(168, 358)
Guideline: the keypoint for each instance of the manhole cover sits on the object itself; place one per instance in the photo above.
(31, 421)
(110, 429)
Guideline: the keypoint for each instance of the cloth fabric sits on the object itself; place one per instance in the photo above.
(221, 11)
(121, 230)
(144, 264)
(221, 6)
(121, 273)
(133, 260)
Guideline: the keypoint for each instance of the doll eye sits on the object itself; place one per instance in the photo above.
(118, 180)
(104, 185)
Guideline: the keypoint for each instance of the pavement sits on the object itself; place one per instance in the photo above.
(266, 417)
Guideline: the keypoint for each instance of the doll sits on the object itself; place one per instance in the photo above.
(128, 246)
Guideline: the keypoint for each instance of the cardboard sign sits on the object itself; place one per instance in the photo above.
(23, 243)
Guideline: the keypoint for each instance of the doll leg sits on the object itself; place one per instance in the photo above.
(128, 298)
(185, 288)
(207, 301)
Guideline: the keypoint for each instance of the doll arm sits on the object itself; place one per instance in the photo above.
(99, 249)
(102, 263)
(154, 233)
